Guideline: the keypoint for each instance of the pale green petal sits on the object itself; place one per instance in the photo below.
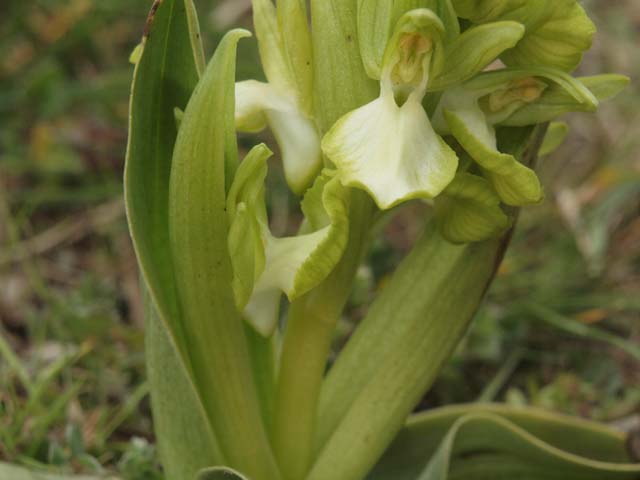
(555, 137)
(469, 210)
(392, 152)
(296, 37)
(258, 105)
(516, 184)
(476, 48)
(442, 8)
(297, 264)
(263, 310)
(275, 62)
(558, 31)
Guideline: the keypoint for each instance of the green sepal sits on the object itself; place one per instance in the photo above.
(378, 18)
(427, 25)
(556, 100)
(558, 31)
(476, 48)
(469, 210)
(556, 135)
(247, 219)
(516, 184)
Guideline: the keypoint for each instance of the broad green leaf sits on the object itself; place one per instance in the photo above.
(558, 32)
(391, 152)
(419, 440)
(166, 73)
(481, 434)
(555, 137)
(410, 331)
(476, 48)
(469, 210)
(259, 105)
(186, 441)
(14, 472)
(220, 473)
(204, 163)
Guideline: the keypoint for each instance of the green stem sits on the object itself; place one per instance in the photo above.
(307, 343)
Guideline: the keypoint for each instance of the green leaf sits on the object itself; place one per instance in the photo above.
(165, 75)
(186, 440)
(220, 473)
(14, 472)
(419, 440)
(493, 434)
(469, 210)
(395, 354)
(558, 32)
(476, 48)
(204, 163)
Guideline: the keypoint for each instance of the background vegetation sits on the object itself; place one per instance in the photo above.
(560, 328)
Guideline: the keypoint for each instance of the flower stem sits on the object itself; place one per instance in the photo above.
(307, 343)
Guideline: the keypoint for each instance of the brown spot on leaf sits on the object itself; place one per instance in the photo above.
(152, 14)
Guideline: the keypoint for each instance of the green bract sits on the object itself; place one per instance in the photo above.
(372, 104)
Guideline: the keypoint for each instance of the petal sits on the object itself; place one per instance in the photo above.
(516, 184)
(264, 266)
(476, 48)
(391, 152)
(295, 265)
(469, 210)
(260, 104)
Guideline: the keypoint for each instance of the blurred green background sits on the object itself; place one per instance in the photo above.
(560, 328)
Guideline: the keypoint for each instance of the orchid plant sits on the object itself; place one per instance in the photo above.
(371, 104)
